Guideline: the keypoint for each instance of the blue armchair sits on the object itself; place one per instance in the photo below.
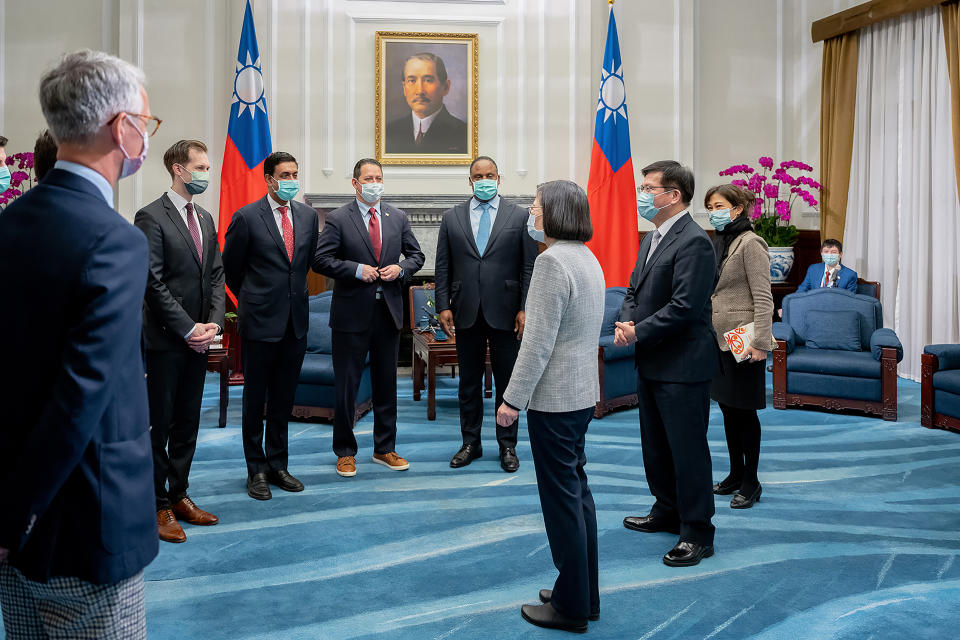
(940, 387)
(315, 396)
(618, 375)
(833, 352)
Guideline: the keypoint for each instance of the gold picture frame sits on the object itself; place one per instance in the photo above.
(451, 131)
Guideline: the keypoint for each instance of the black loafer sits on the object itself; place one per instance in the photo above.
(257, 487)
(741, 501)
(508, 459)
(687, 554)
(547, 594)
(724, 489)
(649, 524)
(544, 615)
(467, 454)
(285, 481)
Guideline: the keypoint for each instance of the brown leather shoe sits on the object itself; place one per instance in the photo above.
(347, 466)
(391, 460)
(190, 513)
(170, 529)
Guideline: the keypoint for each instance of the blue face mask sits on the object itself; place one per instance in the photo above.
(484, 189)
(536, 234)
(4, 178)
(830, 259)
(645, 206)
(720, 218)
(287, 189)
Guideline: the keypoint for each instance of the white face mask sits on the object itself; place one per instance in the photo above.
(371, 191)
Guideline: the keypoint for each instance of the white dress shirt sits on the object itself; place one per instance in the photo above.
(365, 213)
(423, 122)
(476, 210)
(181, 205)
(664, 229)
(829, 271)
(277, 216)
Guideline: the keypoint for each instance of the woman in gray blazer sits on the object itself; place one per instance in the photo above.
(742, 296)
(555, 380)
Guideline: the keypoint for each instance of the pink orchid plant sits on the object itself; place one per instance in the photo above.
(21, 176)
(776, 191)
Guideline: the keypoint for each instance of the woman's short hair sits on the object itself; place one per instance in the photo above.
(566, 211)
(736, 196)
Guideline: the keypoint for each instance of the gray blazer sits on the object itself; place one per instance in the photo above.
(556, 370)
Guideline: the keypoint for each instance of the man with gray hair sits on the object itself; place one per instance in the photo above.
(78, 522)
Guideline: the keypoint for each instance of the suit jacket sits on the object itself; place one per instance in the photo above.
(500, 278)
(271, 289)
(447, 134)
(182, 289)
(743, 294)
(345, 244)
(75, 455)
(669, 302)
(846, 278)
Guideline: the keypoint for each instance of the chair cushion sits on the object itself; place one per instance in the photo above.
(813, 384)
(317, 369)
(612, 301)
(420, 297)
(946, 403)
(613, 352)
(885, 338)
(948, 355)
(321, 301)
(860, 364)
(783, 331)
(619, 378)
(796, 306)
(947, 381)
(319, 334)
(836, 329)
(867, 289)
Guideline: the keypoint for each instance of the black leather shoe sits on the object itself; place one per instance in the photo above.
(687, 554)
(741, 501)
(547, 594)
(649, 524)
(544, 615)
(257, 487)
(467, 454)
(285, 481)
(724, 488)
(508, 459)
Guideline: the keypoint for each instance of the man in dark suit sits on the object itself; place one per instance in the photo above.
(182, 313)
(77, 525)
(267, 253)
(429, 128)
(484, 262)
(667, 314)
(360, 248)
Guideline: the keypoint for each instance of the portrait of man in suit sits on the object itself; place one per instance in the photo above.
(426, 99)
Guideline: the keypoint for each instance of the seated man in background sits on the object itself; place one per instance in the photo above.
(830, 273)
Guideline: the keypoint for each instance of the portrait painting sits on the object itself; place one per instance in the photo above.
(426, 102)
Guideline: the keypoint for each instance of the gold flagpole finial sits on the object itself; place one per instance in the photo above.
(610, 2)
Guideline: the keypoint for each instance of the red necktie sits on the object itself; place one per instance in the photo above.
(287, 232)
(194, 230)
(826, 279)
(374, 229)
(419, 135)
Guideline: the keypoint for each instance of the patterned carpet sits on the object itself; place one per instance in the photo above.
(856, 536)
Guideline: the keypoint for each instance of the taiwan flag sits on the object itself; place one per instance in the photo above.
(611, 188)
(248, 133)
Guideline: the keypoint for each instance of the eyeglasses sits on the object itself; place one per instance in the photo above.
(532, 207)
(649, 189)
(151, 123)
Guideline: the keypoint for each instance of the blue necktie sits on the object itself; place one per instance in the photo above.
(483, 230)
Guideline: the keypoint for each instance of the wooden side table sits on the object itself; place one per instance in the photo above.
(428, 354)
(218, 361)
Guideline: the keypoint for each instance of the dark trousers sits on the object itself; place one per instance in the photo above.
(557, 442)
(742, 428)
(676, 456)
(175, 390)
(382, 341)
(270, 374)
(472, 358)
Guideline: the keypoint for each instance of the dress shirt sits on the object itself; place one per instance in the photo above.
(102, 184)
(423, 122)
(664, 229)
(181, 205)
(277, 216)
(476, 210)
(829, 271)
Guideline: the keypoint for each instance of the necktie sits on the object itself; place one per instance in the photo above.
(194, 230)
(483, 230)
(826, 279)
(287, 231)
(654, 241)
(420, 134)
(374, 228)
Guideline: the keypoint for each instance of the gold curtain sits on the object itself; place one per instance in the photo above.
(838, 96)
(951, 36)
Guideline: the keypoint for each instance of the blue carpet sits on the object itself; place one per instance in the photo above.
(856, 536)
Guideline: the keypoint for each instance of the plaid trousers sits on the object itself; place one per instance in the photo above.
(70, 608)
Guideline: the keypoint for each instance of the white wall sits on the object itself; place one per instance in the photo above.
(708, 83)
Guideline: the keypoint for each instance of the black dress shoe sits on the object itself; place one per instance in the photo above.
(467, 454)
(649, 524)
(741, 501)
(257, 487)
(544, 615)
(284, 480)
(508, 459)
(725, 488)
(687, 554)
(547, 594)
